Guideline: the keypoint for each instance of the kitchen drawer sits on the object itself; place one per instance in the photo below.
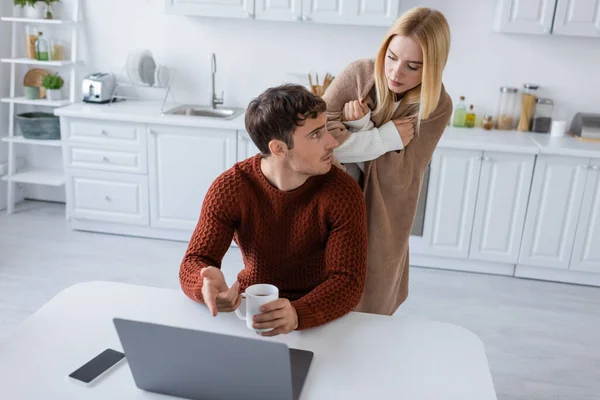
(105, 132)
(106, 160)
(109, 197)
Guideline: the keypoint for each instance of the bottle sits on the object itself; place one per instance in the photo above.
(488, 122)
(460, 113)
(470, 118)
(41, 48)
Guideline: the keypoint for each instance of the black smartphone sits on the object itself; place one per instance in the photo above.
(97, 365)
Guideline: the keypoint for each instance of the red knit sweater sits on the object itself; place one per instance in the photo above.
(310, 242)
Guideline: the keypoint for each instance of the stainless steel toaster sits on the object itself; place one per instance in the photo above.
(98, 87)
(586, 125)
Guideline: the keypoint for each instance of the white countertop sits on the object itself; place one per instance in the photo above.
(148, 112)
(145, 112)
(565, 146)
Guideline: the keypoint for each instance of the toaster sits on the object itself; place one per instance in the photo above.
(98, 87)
(586, 125)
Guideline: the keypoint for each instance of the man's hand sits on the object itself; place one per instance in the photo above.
(354, 110)
(217, 296)
(279, 315)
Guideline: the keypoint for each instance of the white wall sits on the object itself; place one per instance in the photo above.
(5, 9)
(253, 55)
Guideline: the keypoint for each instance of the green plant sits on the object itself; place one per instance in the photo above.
(53, 82)
(30, 3)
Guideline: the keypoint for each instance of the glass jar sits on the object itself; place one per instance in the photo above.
(542, 119)
(57, 50)
(528, 100)
(31, 37)
(487, 123)
(505, 116)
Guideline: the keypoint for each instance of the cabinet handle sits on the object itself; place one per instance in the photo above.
(107, 198)
(305, 18)
(103, 132)
(486, 159)
(595, 167)
(249, 15)
(104, 159)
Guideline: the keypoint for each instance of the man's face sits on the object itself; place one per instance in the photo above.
(313, 147)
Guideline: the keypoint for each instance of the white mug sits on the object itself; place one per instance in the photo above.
(253, 298)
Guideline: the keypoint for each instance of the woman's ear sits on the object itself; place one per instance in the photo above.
(278, 148)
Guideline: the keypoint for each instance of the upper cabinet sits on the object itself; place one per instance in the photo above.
(545, 17)
(345, 12)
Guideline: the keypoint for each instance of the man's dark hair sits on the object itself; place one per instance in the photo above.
(275, 114)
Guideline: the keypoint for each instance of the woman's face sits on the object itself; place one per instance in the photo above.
(403, 64)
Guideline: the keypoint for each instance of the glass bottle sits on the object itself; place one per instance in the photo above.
(488, 122)
(470, 118)
(507, 103)
(41, 48)
(460, 113)
(528, 100)
(542, 119)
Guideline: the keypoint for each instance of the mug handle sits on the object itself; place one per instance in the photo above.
(241, 314)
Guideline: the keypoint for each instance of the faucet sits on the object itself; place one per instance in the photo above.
(214, 100)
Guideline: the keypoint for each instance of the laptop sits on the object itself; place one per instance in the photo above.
(202, 365)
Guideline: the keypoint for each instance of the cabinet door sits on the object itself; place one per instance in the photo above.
(279, 10)
(451, 195)
(245, 146)
(351, 12)
(586, 250)
(553, 211)
(524, 16)
(212, 8)
(504, 185)
(577, 18)
(183, 163)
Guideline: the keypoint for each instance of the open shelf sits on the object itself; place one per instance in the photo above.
(38, 177)
(22, 140)
(41, 102)
(29, 61)
(38, 21)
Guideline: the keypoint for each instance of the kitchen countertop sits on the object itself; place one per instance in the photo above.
(145, 112)
(148, 112)
(565, 146)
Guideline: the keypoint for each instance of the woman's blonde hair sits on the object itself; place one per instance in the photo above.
(429, 28)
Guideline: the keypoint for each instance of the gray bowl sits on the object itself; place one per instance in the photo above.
(39, 125)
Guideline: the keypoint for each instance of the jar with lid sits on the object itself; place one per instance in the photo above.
(542, 119)
(528, 100)
(505, 116)
(487, 123)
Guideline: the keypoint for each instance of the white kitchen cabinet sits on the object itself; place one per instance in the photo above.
(212, 8)
(278, 10)
(450, 207)
(524, 16)
(107, 196)
(553, 211)
(586, 249)
(577, 18)
(502, 197)
(354, 12)
(245, 146)
(183, 163)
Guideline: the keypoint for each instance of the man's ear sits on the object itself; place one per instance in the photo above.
(278, 148)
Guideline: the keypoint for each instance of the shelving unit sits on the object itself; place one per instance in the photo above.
(35, 176)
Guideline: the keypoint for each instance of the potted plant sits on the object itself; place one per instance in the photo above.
(37, 9)
(53, 85)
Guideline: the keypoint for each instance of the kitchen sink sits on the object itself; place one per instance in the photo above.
(200, 111)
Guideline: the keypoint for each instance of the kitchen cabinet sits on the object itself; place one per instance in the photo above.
(502, 197)
(183, 163)
(586, 249)
(577, 18)
(545, 17)
(553, 211)
(212, 8)
(451, 196)
(245, 146)
(348, 12)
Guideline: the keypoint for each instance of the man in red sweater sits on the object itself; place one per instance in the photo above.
(299, 222)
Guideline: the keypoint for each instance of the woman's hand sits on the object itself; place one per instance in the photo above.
(355, 110)
(405, 129)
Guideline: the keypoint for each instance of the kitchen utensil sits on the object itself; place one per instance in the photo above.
(162, 76)
(141, 67)
(34, 77)
(98, 87)
(318, 89)
(507, 103)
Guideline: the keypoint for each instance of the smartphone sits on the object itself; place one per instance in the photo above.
(97, 365)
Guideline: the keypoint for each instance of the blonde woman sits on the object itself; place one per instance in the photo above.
(374, 108)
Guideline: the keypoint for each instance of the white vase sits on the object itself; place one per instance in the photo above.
(53, 94)
(35, 12)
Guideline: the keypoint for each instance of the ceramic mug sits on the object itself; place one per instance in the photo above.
(253, 298)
